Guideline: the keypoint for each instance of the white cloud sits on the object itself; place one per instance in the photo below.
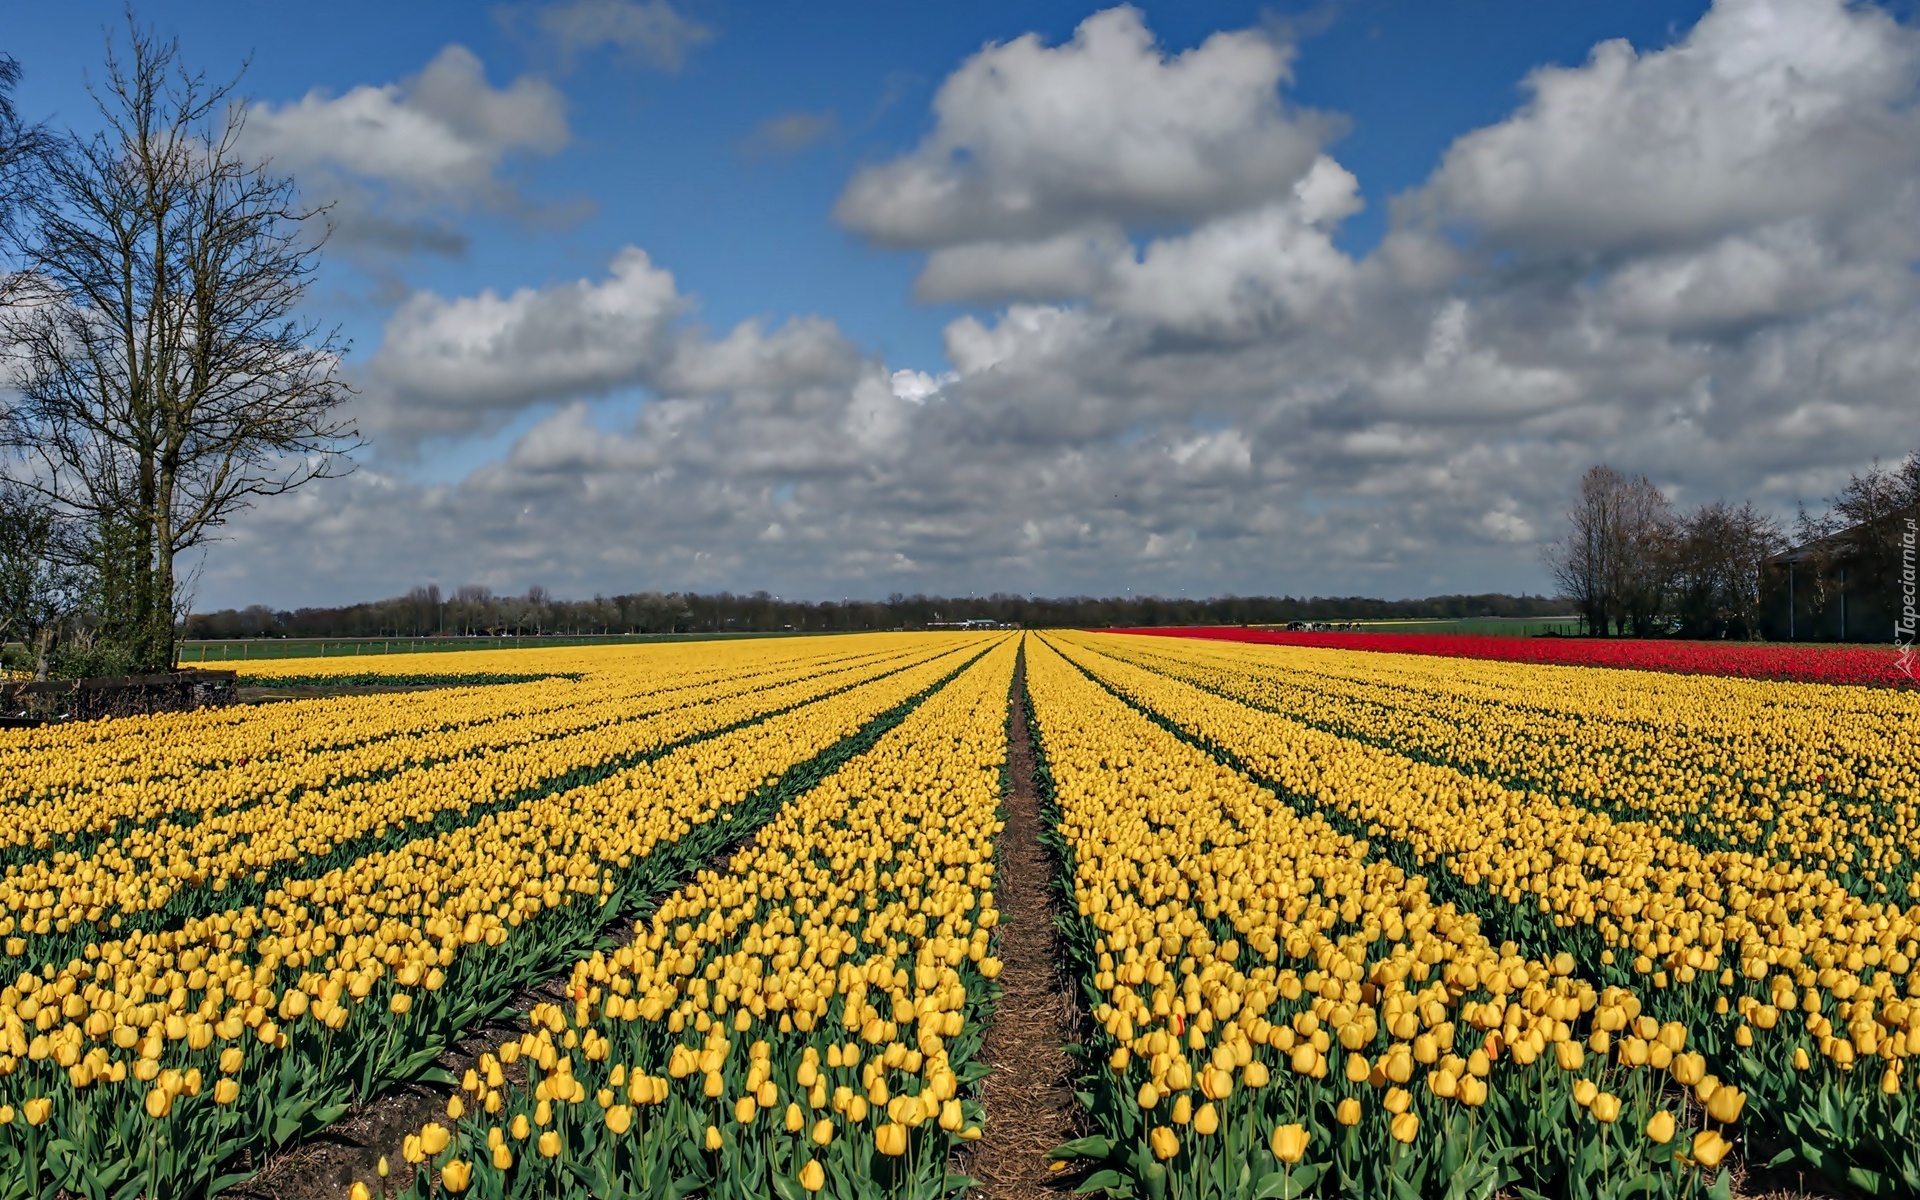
(1221, 399)
(1767, 109)
(1066, 265)
(1248, 274)
(1032, 140)
(452, 366)
(397, 155)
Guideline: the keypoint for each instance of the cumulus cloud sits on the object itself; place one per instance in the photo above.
(450, 366)
(1766, 110)
(1040, 152)
(398, 157)
(1200, 389)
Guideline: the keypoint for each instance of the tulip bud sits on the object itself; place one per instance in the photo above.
(1288, 1143)
(1660, 1127)
(1605, 1108)
(1709, 1148)
(456, 1175)
(890, 1139)
(550, 1142)
(813, 1176)
(1725, 1104)
(1164, 1141)
(1405, 1127)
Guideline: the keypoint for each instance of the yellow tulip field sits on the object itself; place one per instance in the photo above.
(1341, 923)
(1576, 930)
(174, 1008)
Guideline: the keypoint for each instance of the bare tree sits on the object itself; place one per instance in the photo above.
(1612, 561)
(21, 148)
(167, 379)
(1719, 550)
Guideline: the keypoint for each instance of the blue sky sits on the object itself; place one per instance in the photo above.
(672, 153)
(661, 155)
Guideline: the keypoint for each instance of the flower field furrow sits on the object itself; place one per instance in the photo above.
(149, 880)
(150, 1061)
(1814, 774)
(1799, 988)
(124, 781)
(1871, 666)
(1282, 1012)
(804, 1022)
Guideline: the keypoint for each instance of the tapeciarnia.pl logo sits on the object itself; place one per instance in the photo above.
(1903, 629)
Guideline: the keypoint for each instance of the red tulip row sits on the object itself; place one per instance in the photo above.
(1870, 666)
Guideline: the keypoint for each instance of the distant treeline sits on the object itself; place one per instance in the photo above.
(475, 610)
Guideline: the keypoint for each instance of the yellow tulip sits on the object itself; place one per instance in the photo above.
(1348, 1111)
(890, 1139)
(1288, 1143)
(1164, 1142)
(1405, 1127)
(1709, 1148)
(1725, 1104)
(813, 1176)
(1660, 1127)
(549, 1143)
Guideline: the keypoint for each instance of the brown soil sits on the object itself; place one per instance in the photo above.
(1028, 1097)
(325, 1166)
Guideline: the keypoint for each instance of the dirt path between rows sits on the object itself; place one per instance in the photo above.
(1029, 1096)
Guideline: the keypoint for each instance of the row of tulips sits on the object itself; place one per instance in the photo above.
(270, 827)
(1790, 984)
(1871, 666)
(67, 788)
(1283, 1012)
(1816, 775)
(148, 1064)
(77, 786)
(804, 1022)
